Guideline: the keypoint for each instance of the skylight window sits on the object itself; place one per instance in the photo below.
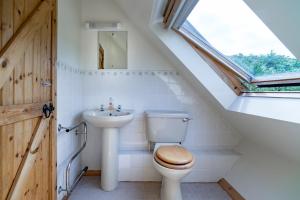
(234, 31)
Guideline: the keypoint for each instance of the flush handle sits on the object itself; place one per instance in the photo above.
(186, 119)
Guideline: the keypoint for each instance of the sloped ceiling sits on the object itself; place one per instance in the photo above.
(140, 13)
(282, 17)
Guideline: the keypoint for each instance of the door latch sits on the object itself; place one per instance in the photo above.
(48, 109)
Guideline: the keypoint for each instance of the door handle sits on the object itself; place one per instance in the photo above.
(48, 109)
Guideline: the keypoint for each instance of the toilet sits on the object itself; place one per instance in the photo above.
(166, 130)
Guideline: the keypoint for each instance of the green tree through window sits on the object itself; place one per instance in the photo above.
(272, 63)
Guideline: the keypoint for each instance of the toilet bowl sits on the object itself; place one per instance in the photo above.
(172, 170)
(166, 130)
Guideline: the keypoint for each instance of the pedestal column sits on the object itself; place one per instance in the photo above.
(110, 160)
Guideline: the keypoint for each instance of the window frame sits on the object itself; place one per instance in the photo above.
(185, 29)
(188, 30)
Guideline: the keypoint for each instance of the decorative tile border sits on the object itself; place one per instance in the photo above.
(61, 66)
(131, 72)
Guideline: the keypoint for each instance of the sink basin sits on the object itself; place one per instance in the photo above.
(109, 124)
(108, 119)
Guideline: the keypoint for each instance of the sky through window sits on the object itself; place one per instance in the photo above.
(234, 29)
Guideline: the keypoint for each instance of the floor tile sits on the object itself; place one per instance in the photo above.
(89, 189)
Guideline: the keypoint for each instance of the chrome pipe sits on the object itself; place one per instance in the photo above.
(78, 178)
(69, 188)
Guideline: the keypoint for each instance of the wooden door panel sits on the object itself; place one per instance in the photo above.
(7, 162)
(35, 158)
(18, 90)
(7, 22)
(28, 67)
(36, 184)
(27, 59)
(12, 149)
(13, 144)
(46, 59)
(11, 54)
(36, 68)
(13, 13)
(19, 13)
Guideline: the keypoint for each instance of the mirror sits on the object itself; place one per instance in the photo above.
(112, 49)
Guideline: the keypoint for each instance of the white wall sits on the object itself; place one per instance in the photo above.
(150, 83)
(141, 53)
(260, 174)
(69, 98)
(211, 165)
(269, 167)
(68, 32)
(152, 89)
(279, 136)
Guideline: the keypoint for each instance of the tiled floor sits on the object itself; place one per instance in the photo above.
(89, 189)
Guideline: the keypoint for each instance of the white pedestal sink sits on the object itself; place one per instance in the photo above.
(110, 122)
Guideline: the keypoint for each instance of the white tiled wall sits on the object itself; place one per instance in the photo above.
(136, 89)
(210, 166)
(69, 84)
(69, 108)
(140, 90)
(152, 89)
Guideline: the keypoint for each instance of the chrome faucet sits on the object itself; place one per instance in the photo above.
(102, 107)
(110, 104)
(119, 108)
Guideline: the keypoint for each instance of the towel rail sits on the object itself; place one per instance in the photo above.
(69, 188)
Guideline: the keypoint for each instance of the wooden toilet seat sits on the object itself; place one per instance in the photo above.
(174, 157)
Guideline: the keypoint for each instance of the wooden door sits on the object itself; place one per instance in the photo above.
(27, 82)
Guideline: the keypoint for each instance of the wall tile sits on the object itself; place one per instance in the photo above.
(139, 90)
(211, 165)
(69, 108)
(152, 89)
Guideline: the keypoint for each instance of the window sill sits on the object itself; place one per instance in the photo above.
(289, 95)
(279, 108)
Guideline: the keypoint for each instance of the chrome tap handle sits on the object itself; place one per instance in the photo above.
(102, 107)
(119, 108)
(187, 119)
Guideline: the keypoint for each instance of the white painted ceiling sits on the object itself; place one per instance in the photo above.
(283, 18)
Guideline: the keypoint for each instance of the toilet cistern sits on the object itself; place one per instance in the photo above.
(167, 129)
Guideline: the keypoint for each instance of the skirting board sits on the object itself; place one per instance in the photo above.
(235, 195)
(93, 173)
